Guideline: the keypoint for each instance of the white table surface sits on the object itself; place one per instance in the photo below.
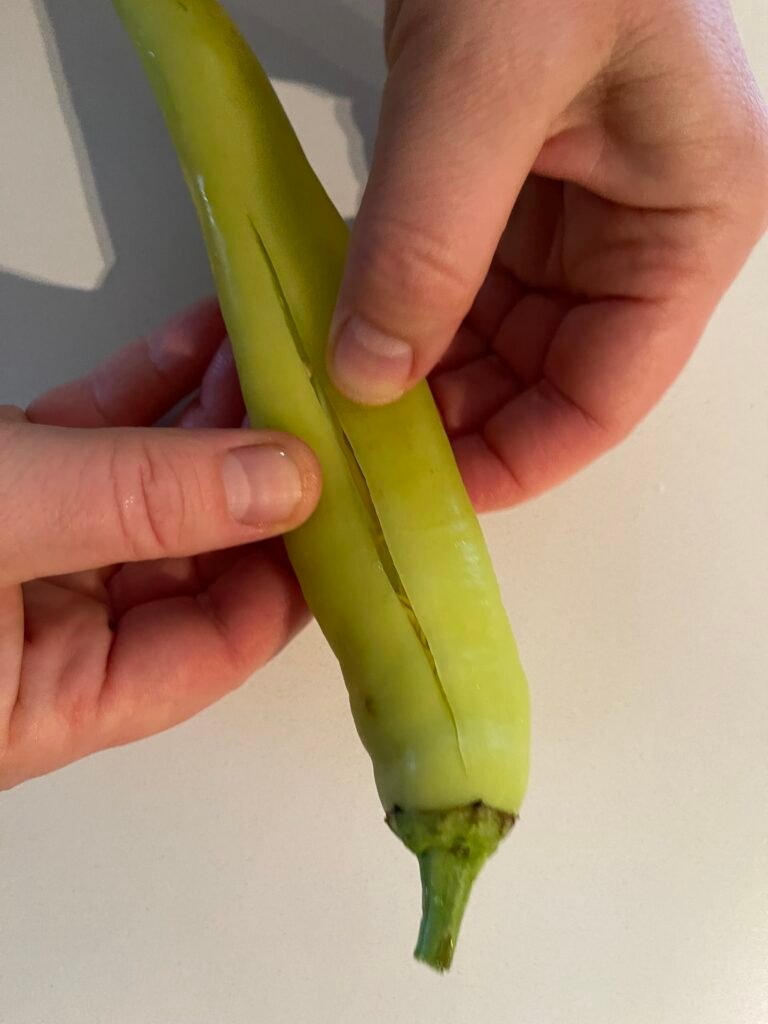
(236, 870)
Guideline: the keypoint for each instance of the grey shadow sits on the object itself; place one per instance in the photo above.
(159, 259)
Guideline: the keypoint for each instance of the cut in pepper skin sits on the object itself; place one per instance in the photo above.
(393, 563)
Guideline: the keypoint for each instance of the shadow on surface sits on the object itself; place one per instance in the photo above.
(140, 201)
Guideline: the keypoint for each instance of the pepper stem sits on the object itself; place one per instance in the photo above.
(452, 847)
(446, 881)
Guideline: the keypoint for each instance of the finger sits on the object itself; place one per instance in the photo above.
(464, 115)
(466, 346)
(66, 644)
(467, 397)
(172, 658)
(140, 582)
(11, 646)
(85, 684)
(475, 389)
(49, 702)
(220, 400)
(141, 382)
(607, 366)
(498, 294)
(525, 334)
(91, 583)
(76, 500)
(12, 414)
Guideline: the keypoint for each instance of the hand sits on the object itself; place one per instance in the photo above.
(115, 620)
(561, 193)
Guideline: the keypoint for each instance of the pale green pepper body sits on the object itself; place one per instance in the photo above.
(393, 563)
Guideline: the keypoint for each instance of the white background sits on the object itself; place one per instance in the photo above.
(236, 870)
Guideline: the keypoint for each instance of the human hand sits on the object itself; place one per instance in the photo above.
(116, 620)
(608, 161)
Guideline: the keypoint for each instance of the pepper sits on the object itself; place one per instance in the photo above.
(392, 563)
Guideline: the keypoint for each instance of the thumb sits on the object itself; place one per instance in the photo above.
(454, 146)
(81, 499)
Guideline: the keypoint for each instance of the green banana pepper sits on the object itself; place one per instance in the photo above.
(393, 563)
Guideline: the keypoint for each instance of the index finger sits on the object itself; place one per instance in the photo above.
(141, 382)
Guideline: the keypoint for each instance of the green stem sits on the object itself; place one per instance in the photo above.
(452, 847)
(446, 881)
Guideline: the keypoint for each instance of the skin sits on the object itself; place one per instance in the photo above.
(124, 606)
(561, 193)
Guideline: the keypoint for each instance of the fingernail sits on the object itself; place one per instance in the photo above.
(369, 365)
(263, 485)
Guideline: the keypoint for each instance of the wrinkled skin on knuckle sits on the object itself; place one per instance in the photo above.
(151, 503)
(19, 475)
(413, 270)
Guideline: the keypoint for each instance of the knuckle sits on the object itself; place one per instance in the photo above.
(151, 504)
(414, 270)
